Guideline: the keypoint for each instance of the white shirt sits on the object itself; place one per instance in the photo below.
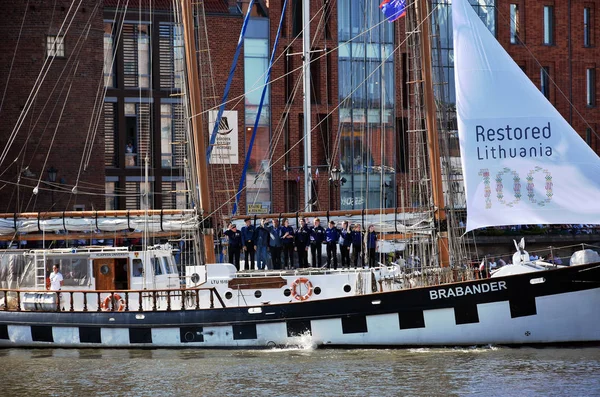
(55, 280)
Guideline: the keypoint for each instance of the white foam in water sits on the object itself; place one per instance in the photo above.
(301, 342)
(471, 349)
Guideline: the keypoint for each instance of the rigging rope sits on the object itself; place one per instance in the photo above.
(260, 106)
(229, 80)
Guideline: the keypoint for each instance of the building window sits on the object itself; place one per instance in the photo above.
(514, 23)
(172, 135)
(109, 56)
(297, 18)
(55, 46)
(590, 85)
(315, 76)
(545, 81)
(112, 202)
(258, 173)
(138, 134)
(171, 57)
(587, 27)
(136, 56)
(138, 195)
(174, 194)
(548, 25)
(110, 135)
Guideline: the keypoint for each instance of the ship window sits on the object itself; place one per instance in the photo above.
(74, 270)
(287, 292)
(55, 46)
(257, 294)
(228, 295)
(317, 290)
(167, 265)
(138, 268)
(156, 265)
(347, 288)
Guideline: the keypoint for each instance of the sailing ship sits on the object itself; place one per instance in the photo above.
(528, 302)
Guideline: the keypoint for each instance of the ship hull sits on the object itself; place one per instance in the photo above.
(554, 306)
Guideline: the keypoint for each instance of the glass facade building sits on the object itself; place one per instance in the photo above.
(256, 63)
(366, 95)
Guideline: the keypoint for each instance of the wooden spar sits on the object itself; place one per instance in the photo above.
(85, 236)
(338, 213)
(432, 130)
(197, 124)
(93, 214)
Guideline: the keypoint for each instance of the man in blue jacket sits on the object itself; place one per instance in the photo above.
(249, 239)
(302, 237)
(287, 237)
(357, 246)
(275, 243)
(331, 238)
(317, 236)
(262, 243)
(234, 238)
(345, 243)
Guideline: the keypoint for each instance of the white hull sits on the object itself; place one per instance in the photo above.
(571, 316)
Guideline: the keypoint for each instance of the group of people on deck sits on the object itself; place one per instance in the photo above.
(279, 242)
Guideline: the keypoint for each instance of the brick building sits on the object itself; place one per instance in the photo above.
(358, 127)
(50, 73)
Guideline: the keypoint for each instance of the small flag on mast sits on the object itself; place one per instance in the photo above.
(393, 9)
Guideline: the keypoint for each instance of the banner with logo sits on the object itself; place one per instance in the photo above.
(225, 150)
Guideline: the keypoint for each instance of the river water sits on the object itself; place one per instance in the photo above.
(489, 371)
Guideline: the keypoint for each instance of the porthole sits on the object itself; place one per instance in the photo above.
(104, 269)
(228, 295)
(347, 288)
(195, 278)
(257, 294)
(317, 290)
(287, 292)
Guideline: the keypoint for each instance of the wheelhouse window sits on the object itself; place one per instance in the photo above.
(514, 23)
(548, 25)
(157, 267)
(55, 46)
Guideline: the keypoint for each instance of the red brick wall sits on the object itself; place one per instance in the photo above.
(567, 65)
(33, 140)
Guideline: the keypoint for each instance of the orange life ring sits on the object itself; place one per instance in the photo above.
(296, 284)
(106, 303)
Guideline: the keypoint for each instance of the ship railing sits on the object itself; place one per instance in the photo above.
(11, 300)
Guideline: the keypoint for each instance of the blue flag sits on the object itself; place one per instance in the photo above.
(393, 9)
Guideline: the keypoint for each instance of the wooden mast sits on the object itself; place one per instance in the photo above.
(196, 125)
(432, 130)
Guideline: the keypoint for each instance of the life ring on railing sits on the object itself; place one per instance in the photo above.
(106, 303)
(295, 289)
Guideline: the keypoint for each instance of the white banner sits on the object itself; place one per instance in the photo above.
(225, 150)
(522, 162)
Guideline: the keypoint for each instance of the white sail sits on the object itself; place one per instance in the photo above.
(522, 162)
